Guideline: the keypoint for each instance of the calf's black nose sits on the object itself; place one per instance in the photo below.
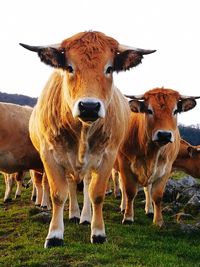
(164, 137)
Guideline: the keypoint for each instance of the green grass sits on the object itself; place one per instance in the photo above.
(141, 244)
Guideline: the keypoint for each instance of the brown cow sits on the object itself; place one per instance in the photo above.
(151, 146)
(80, 120)
(17, 152)
(188, 159)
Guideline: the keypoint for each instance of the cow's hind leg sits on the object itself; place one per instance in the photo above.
(86, 212)
(45, 204)
(129, 185)
(19, 181)
(74, 211)
(9, 185)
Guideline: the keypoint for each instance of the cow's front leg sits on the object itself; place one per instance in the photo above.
(148, 201)
(59, 191)
(157, 194)
(97, 191)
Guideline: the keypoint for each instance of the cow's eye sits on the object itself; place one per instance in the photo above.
(109, 70)
(149, 111)
(70, 69)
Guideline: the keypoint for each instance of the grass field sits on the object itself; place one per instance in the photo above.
(22, 236)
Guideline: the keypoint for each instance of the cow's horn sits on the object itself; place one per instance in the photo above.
(138, 97)
(122, 48)
(187, 96)
(37, 48)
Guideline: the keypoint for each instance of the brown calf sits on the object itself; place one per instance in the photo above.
(151, 145)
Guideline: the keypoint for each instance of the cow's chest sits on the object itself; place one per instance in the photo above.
(78, 159)
(149, 170)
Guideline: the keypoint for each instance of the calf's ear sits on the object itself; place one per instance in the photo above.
(186, 104)
(137, 106)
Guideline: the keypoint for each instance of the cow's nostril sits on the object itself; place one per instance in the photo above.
(164, 136)
(89, 106)
(89, 110)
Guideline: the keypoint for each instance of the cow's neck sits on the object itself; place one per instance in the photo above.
(83, 145)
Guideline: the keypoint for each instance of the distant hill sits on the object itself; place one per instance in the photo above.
(22, 100)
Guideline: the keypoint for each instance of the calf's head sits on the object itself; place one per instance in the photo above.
(161, 107)
(88, 60)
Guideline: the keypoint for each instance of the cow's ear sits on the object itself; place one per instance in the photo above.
(137, 106)
(186, 104)
(53, 56)
(126, 60)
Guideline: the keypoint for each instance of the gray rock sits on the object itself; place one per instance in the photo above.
(189, 228)
(193, 205)
(186, 194)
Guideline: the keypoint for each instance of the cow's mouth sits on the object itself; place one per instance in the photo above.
(89, 117)
(163, 142)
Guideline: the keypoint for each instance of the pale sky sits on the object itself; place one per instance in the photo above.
(170, 26)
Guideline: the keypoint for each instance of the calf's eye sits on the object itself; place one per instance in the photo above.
(70, 69)
(149, 111)
(109, 70)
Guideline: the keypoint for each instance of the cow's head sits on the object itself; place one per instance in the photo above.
(88, 60)
(161, 107)
(194, 152)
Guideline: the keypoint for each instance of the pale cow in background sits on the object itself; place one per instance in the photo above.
(80, 121)
(17, 152)
(10, 179)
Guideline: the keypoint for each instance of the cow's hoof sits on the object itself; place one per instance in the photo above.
(18, 196)
(127, 222)
(8, 200)
(74, 220)
(85, 223)
(53, 242)
(33, 198)
(150, 215)
(98, 239)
